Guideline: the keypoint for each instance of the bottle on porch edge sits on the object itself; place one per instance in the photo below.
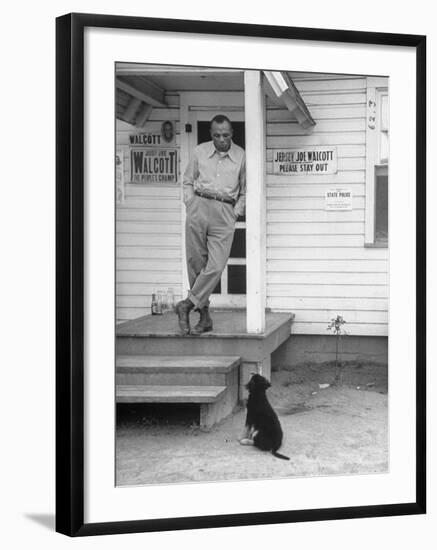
(169, 300)
(154, 306)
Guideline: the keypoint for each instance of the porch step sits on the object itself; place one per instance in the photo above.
(210, 381)
(155, 335)
(172, 363)
(186, 370)
(169, 394)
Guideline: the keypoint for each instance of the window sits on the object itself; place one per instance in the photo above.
(381, 204)
(377, 160)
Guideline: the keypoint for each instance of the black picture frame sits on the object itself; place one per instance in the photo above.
(70, 273)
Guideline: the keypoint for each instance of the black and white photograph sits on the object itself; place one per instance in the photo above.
(215, 281)
(251, 274)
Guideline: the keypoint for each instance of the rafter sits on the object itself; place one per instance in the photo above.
(150, 93)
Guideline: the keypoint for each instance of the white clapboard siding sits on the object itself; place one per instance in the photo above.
(319, 112)
(153, 203)
(145, 215)
(134, 300)
(325, 253)
(313, 228)
(144, 289)
(285, 289)
(327, 266)
(308, 203)
(328, 278)
(345, 98)
(150, 277)
(135, 264)
(148, 227)
(155, 228)
(314, 240)
(283, 215)
(325, 138)
(152, 253)
(317, 265)
(354, 329)
(323, 126)
(135, 190)
(162, 115)
(285, 188)
(284, 183)
(331, 86)
(329, 98)
(128, 313)
(152, 241)
(355, 305)
(353, 316)
(297, 76)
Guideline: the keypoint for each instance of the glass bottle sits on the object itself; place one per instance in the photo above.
(154, 306)
(169, 300)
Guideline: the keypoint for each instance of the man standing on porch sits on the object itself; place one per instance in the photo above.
(214, 187)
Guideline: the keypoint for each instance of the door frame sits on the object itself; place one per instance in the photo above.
(196, 106)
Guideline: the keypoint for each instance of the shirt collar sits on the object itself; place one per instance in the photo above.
(231, 152)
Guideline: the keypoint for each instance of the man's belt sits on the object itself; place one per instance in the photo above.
(214, 197)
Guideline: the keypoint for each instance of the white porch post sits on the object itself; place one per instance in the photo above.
(255, 202)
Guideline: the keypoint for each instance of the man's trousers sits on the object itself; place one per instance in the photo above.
(209, 231)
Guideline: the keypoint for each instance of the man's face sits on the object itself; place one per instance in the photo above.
(167, 131)
(221, 135)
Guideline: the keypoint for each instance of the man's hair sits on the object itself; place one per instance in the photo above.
(220, 119)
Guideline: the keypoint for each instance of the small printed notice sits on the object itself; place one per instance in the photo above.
(339, 198)
(153, 165)
(305, 161)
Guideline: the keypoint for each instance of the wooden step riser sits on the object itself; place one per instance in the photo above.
(261, 366)
(172, 378)
(248, 349)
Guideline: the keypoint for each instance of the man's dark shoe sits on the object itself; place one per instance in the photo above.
(205, 322)
(183, 309)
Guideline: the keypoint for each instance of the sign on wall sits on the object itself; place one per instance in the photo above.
(303, 161)
(153, 165)
(164, 137)
(338, 198)
(119, 176)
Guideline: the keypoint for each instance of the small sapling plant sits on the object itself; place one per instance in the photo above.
(337, 327)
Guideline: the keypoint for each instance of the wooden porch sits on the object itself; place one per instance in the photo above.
(154, 363)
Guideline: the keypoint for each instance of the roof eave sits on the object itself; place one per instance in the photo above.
(282, 90)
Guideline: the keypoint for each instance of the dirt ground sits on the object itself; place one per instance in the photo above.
(336, 430)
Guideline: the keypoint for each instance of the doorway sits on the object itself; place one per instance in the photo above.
(231, 289)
